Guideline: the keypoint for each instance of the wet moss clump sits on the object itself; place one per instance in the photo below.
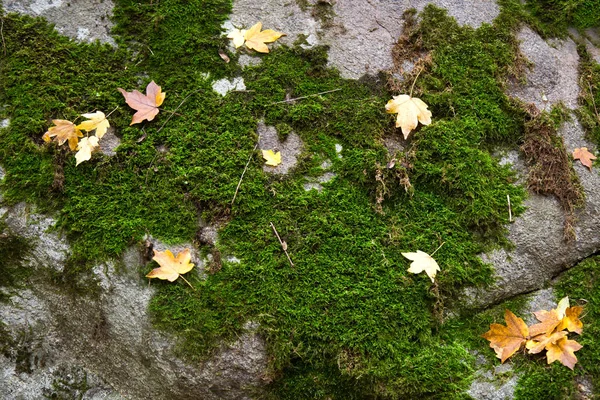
(589, 112)
(555, 16)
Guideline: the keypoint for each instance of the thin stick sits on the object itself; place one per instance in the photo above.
(186, 281)
(115, 109)
(415, 81)
(283, 246)
(431, 255)
(305, 97)
(2, 35)
(243, 173)
(594, 102)
(174, 112)
(509, 208)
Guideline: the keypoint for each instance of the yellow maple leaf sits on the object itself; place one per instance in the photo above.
(255, 39)
(95, 121)
(422, 261)
(410, 110)
(506, 340)
(237, 35)
(273, 159)
(63, 131)
(171, 267)
(85, 147)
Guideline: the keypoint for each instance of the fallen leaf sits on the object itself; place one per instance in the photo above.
(584, 156)
(540, 342)
(549, 320)
(237, 36)
(63, 131)
(564, 351)
(422, 261)
(85, 147)
(571, 321)
(224, 56)
(171, 267)
(95, 121)
(507, 340)
(272, 159)
(255, 39)
(410, 110)
(146, 105)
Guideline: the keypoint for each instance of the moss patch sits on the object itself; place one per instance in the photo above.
(12, 274)
(555, 16)
(348, 318)
(589, 111)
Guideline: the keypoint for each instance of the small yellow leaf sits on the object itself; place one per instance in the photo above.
(95, 121)
(410, 110)
(85, 147)
(422, 261)
(272, 159)
(237, 36)
(63, 131)
(171, 267)
(255, 39)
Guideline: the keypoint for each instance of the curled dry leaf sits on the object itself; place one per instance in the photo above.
(85, 147)
(95, 121)
(63, 131)
(507, 340)
(171, 267)
(255, 39)
(224, 56)
(146, 105)
(271, 158)
(410, 110)
(584, 156)
(422, 261)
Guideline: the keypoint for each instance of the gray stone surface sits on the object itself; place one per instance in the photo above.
(109, 142)
(4, 123)
(494, 383)
(107, 337)
(290, 148)
(360, 34)
(540, 252)
(224, 86)
(553, 71)
(83, 20)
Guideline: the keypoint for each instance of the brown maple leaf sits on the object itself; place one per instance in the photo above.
(540, 342)
(63, 131)
(507, 340)
(582, 154)
(563, 350)
(549, 320)
(146, 105)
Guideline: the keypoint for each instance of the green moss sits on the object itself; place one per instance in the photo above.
(588, 112)
(347, 317)
(557, 15)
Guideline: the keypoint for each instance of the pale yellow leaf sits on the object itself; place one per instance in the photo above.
(237, 35)
(410, 110)
(85, 147)
(255, 39)
(422, 261)
(95, 121)
(271, 158)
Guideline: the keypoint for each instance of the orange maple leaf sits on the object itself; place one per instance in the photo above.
(563, 350)
(549, 320)
(571, 321)
(171, 267)
(582, 154)
(507, 340)
(63, 131)
(540, 342)
(146, 105)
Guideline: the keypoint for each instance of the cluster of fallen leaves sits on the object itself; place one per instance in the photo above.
(549, 334)
(66, 131)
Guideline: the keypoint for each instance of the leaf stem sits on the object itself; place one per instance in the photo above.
(431, 255)
(305, 97)
(186, 281)
(415, 81)
(174, 112)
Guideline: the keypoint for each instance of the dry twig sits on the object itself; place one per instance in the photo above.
(305, 97)
(283, 244)
(243, 173)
